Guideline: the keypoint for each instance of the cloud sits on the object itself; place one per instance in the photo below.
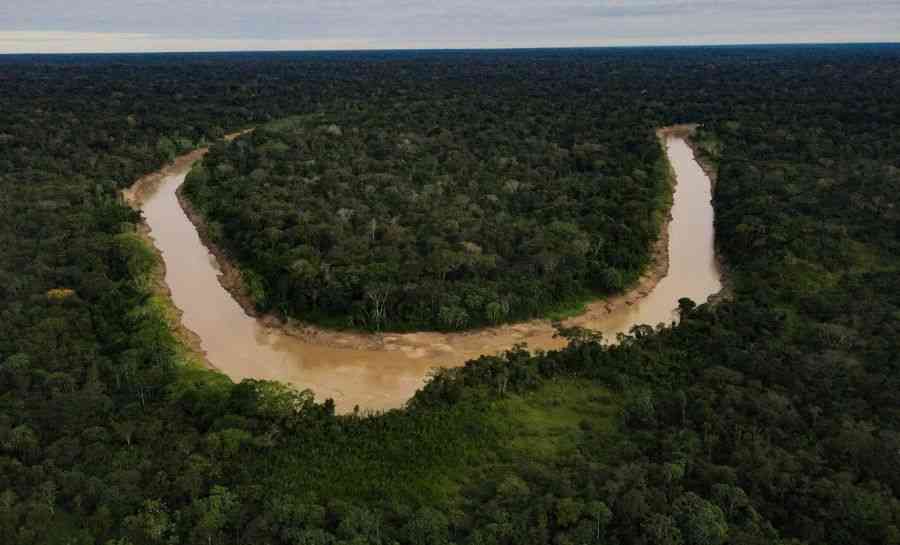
(144, 25)
(111, 42)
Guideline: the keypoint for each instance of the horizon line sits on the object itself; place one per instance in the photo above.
(455, 49)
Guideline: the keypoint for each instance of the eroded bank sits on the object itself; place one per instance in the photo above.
(380, 371)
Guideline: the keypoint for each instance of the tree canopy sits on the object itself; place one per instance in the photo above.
(773, 417)
(449, 209)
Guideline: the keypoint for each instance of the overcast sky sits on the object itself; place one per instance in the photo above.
(34, 26)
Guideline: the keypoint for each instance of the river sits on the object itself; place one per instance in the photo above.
(378, 372)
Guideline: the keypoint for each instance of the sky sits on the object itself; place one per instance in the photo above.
(64, 26)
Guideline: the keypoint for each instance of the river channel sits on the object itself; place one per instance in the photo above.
(377, 372)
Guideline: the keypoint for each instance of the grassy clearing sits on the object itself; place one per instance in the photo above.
(431, 458)
(552, 421)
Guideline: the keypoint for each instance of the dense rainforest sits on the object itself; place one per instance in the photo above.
(457, 206)
(772, 417)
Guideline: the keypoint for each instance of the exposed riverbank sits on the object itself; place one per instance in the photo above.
(143, 187)
(231, 279)
(379, 371)
(687, 131)
(190, 342)
(134, 196)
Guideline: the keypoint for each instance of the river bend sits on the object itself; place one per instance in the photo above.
(384, 371)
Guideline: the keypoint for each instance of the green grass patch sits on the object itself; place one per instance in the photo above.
(418, 459)
(553, 420)
(429, 458)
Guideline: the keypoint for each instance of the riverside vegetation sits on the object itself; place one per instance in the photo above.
(771, 417)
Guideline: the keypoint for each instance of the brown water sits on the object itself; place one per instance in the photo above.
(380, 372)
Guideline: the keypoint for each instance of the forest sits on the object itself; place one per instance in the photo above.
(770, 417)
(443, 211)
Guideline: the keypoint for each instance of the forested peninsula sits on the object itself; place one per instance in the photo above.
(449, 213)
(771, 417)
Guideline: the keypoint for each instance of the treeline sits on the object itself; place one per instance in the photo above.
(449, 209)
(772, 418)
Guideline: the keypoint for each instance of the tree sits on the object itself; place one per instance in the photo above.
(360, 526)
(378, 297)
(152, 525)
(568, 511)
(17, 370)
(213, 513)
(166, 148)
(22, 441)
(660, 529)
(601, 516)
(685, 307)
(700, 522)
(427, 527)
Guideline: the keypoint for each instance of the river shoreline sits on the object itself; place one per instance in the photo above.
(378, 371)
(726, 276)
(134, 196)
(231, 280)
(190, 341)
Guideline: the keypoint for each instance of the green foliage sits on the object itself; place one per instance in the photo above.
(138, 257)
(771, 418)
(701, 522)
(394, 215)
(552, 421)
(166, 149)
(255, 287)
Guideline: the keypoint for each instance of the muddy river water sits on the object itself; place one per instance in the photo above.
(384, 371)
